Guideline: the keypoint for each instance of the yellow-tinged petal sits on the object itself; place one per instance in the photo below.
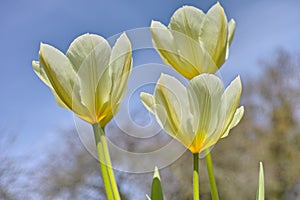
(40, 72)
(148, 101)
(90, 55)
(93, 72)
(187, 20)
(230, 101)
(228, 107)
(120, 66)
(164, 42)
(192, 54)
(82, 46)
(172, 109)
(205, 94)
(214, 34)
(239, 113)
(59, 71)
(167, 98)
(231, 30)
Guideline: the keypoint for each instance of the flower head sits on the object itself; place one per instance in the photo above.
(90, 79)
(197, 115)
(194, 42)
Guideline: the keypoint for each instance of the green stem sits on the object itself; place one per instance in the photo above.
(196, 176)
(213, 185)
(109, 181)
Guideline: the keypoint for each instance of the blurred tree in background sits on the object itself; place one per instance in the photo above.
(8, 171)
(269, 132)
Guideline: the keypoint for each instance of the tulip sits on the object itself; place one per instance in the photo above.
(90, 80)
(194, 42)
(197, 115)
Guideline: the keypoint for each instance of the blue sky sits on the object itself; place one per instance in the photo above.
(28, 107)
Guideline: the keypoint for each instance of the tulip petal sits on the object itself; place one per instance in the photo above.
(186, 25)
(230, 102)
(231, 29)
(164, 42)
(40, 72)
(184, 135)
(187, 20)
(60, 73)
(120, 65)
(205, 92)
(172, 109)
(95, 85)
(81, 48)
(214, 34)
(148, 101)
(236, 119)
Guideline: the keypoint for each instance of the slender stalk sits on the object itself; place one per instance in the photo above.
(196, 176)
(109, 181)
(213, 185)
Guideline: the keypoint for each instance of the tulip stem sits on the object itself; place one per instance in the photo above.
(196, 176)
(213, 185)
(109, 181)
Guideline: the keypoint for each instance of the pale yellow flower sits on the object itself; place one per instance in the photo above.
(197, 115)
(91, 79)
(194, 42)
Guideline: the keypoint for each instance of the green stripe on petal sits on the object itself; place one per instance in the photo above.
(172, 106)
(40, 72)
(59, 71)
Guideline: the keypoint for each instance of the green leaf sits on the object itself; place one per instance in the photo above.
(261, 188)
(148, 198)
(156, 193)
